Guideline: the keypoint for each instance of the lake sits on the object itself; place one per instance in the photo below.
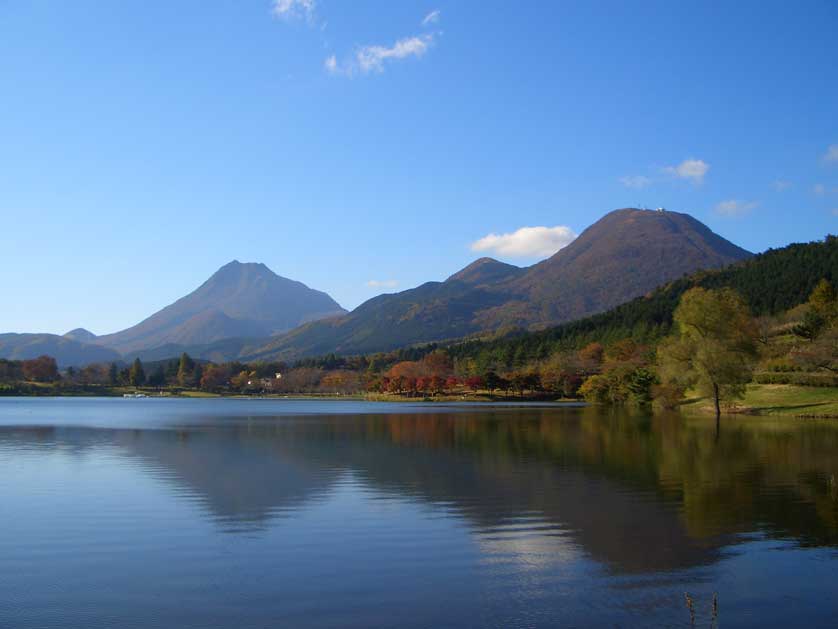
(286, 513)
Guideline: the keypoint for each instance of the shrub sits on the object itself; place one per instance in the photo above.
(780, 365)
(797, 378)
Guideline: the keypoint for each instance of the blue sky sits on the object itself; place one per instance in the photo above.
(145, 144)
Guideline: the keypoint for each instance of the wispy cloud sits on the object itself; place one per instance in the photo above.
(431, 18)
(831, 153)
(635, 181)
(527, 242)
(835, 211)
(372, 58)
(735, 207)
(294, 9)
(691, 169)
(781, 185)
(382, 283)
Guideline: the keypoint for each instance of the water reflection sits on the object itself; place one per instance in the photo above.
(637, 494)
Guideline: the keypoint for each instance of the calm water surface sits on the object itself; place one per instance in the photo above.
(256, 513)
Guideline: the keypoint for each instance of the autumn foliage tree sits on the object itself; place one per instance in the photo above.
(625, 376)
(475, 383)
(215, 378)
(820, 354)
(41, 369)
(340, 381)
(820, 328)
(715, 346)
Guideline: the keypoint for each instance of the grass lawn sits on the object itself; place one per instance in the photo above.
(780, 399)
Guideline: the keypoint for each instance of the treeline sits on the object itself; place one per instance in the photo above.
(184, 372)
(715, 345)
(730, 349)
(781, 318)
(41, 369)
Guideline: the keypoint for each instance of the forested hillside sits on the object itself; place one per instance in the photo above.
(771, 282)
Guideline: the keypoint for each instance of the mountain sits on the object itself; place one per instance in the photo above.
(771, 282)
(239, 300)
(66, 351)
(81, 335)
(486, 271)
(625, 254)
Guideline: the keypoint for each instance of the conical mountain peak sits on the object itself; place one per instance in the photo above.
(81, 335)
(238, 300)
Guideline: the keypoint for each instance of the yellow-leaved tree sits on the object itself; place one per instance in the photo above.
(714, 347)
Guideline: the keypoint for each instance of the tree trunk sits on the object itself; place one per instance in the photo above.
(716, 401)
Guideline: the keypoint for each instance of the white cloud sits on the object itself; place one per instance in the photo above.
(781, 185)
(383, 283)
(691, 169)
(331, 64)
(819, 189)
(527, 242)
(835, 212)
(734, 207)
(635, 181)
(372, 58)
(431, 18)
(831, 153)
(292, 9)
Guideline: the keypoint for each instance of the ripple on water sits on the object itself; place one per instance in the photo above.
(217, 515)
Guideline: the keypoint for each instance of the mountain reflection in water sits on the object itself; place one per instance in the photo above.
(568, 490)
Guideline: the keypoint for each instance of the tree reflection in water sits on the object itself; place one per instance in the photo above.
(636, 492)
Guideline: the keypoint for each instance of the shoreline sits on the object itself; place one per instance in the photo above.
(476, 399)
(760, 401)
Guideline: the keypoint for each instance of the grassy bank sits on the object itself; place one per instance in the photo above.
(779, 399)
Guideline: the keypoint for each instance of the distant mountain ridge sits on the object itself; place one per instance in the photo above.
(239, 300)
(66, 351)
(245, 311)
(625, 254)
